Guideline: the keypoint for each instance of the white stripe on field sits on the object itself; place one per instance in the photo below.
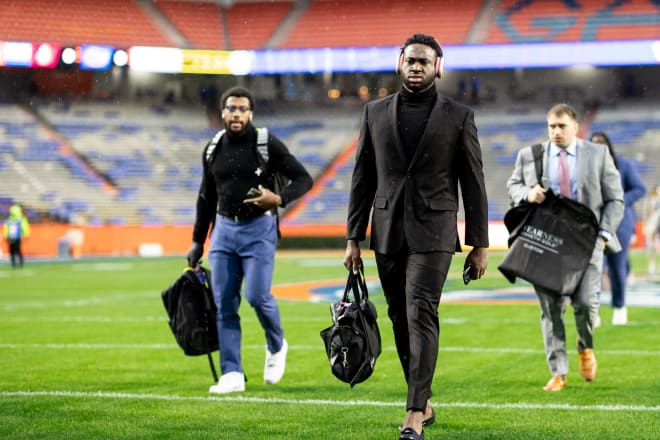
(81, 302)
(519, 405)
(311, 347)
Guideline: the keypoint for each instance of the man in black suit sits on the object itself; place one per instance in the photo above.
(415, 147)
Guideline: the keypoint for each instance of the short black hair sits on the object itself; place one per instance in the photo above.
(237, 92)
(424, 39)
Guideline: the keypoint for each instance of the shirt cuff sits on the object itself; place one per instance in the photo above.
(605, 235)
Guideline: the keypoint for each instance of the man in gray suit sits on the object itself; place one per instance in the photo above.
(414, 149)
(585, 172)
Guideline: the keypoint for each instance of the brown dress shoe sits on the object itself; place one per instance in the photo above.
(556, 383)
(588, 364)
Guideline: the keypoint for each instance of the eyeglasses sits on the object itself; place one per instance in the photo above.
(240, 108)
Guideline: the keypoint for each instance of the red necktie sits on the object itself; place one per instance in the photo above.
(564, 175)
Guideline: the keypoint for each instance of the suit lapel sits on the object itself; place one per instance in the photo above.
(394, 114)
(582, 166)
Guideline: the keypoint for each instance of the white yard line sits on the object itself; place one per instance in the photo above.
(361, 403)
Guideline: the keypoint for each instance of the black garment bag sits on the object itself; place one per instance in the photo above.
(550, 244)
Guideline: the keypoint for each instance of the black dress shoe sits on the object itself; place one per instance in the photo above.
(410, 434)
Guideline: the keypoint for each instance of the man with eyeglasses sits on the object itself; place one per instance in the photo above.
(236, 197)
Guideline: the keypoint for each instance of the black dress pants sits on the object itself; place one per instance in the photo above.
(15, 253)
(412, 284)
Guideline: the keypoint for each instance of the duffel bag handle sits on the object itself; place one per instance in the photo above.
(357, 284)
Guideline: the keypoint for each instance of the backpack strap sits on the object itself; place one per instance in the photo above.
(262, 143)
(537, 153)
(210, 149)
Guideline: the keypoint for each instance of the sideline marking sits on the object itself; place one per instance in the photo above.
(505, 406)
(643, 293)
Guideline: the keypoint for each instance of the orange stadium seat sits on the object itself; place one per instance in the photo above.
(199, 23)
(250, 25)
(344, 23)
(121, 23)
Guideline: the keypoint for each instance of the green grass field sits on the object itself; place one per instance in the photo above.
(86, 353)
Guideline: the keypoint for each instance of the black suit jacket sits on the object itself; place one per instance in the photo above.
(418, 203)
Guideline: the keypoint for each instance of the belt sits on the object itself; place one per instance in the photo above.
(238, 218)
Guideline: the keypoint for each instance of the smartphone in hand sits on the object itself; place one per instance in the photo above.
(467, 275)
(253, 192)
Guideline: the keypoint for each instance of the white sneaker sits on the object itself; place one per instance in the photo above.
(620, 316)
(233, 382)
(597, 321)
(275, 364)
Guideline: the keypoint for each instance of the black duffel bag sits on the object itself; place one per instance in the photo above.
(352, 342)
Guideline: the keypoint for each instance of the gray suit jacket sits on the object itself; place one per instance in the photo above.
(598, 184)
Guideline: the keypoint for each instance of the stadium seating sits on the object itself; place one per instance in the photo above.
(122, 23)
(43, 175)
(534, 21)
(344, 23)
(325, 23)
(250, 25)
(201, 24)
(148, 155)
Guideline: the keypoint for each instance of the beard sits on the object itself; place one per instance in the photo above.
(233, 134)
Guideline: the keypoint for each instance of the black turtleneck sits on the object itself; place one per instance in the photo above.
(414, 110)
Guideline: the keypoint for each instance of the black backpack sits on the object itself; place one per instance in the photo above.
(192, 313)
(352, 342)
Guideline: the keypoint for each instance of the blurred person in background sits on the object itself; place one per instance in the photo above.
(236, 198)
(652, 228)
(618, 264)
(15, 229)
(414, 148)
(585, 172)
